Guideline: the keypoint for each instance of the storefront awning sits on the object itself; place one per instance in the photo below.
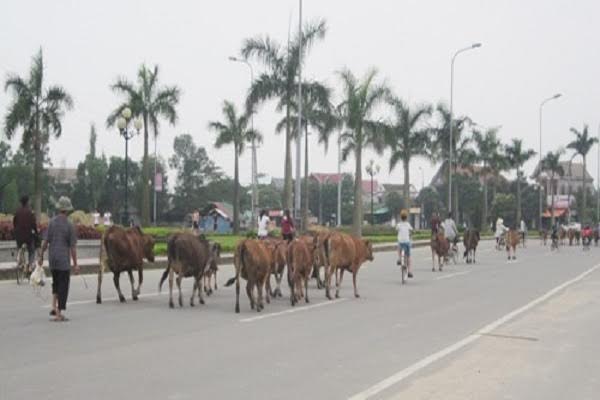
(558, 212)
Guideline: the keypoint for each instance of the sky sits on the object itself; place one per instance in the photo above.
(531, 50)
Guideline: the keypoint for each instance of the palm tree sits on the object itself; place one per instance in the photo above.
(551, 163)
(407, 138)
(151, 102)
(440, 150)
(582, 145)
(488, 148)
(517, 156)
(281, 80)
(234, 130)
(317, 116)
(360, 99)
(39, 111)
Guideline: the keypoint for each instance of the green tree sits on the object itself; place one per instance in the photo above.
(360, 100)
(234, 130)
(38, 110)
(269, 197)
(112, 197)
(503, 206)
(430, 201)
(582, 145)
(281, 79)
(194, 171)
(551, 164)
(395, 203)
(488, 148)
(517, 156)
(407, 137)
(440, 149)
(91, 177)
(151, 102)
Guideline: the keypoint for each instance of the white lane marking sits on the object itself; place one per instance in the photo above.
(292, 310)
(79, 302)
(439, 278)
(425, 362)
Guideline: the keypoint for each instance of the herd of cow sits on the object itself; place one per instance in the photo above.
(255, 261)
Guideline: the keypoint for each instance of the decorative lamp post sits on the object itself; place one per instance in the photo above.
(372, 169)
(127, 133)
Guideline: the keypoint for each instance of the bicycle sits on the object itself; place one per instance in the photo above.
(22, 268)
(404, 265)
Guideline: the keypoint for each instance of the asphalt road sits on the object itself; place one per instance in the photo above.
(524, 329)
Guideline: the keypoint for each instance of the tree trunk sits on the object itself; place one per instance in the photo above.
(357, 214)
(484, 213)
(406, 193)
(236, 192)
(287, 186)
(305, 203)
(582, 218)
(552, 202)
(519, 211)
(455, 190)
(145, 177)
(37, 174)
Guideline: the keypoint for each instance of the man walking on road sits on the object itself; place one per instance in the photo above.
(61, 240)
(26, 231)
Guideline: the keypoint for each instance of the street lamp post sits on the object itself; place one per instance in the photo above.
(254, 172)
(123, 125)
(298, 186)
(340, 178)
(451, 140)
(598, 182)
(556, 96)
(372, 169)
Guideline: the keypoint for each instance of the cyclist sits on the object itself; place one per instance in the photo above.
(450, 230)
(435, 223)
(26, 232)
(404, 231)
(499, 234)
(554, 234)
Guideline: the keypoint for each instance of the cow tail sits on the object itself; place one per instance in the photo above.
(327, 247)
(241, 252)
(170, 257)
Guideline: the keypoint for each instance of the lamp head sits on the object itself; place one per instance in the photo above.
(137, 124)
(557, 95)
(121, 123)
(232, 58)
(476, 45)
(126, 113)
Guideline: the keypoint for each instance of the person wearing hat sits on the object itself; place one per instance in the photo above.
(61, 241)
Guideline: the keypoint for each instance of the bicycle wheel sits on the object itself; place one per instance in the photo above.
(20, 266)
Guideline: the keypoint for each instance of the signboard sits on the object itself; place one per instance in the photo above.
(561, 201)
(158, 182)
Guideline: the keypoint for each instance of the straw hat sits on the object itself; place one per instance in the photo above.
(64, 204)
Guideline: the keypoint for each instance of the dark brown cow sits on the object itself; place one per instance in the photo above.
(252, 261)
(571, 236)
(278, 250)
(213, 267)
(440, 248)
(471, 240)
(124, 250)
(300, 264)
(512, 240)
(188, 256)
(544, 236)
(320, 258)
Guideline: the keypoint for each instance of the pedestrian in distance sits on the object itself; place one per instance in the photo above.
(263, 225)
(287, 226)
(26, 232)
(60, 241)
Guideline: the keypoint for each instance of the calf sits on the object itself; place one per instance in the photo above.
(188, 256)
(278, 250)
(252, 261)
(320, 258)
(440, 246)
(124, 250)
(512, 241)
(300, 266)
(213, 267)
(471, 240)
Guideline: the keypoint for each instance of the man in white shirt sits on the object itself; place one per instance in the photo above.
(404, 231)
(263, 225)
(107, 218)
(523, 231)
(96, 217)
(450, 230)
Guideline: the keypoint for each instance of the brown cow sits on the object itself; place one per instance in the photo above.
(300, 265)
(471, 240)
(512, 239)
(252, 261)
(344, 252)
(320, 258)
(213, 267)
(440, 246)
(188, 256)
(124, 250)
(278, 250)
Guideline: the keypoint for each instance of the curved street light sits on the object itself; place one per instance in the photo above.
(542, 104)
(451, 144)
(123, 126)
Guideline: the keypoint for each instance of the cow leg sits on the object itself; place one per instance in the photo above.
(306, 288)
(278, 279)
(200, 289)
(260, 305)
(354, 273)
(171, 275)
(249, 293)
(116, 277)
(196, 286)
(179, 279)
(338, 283)
(133, 292)
(432, 260)
(98, 292)
(267, 285)
(215, 277)
(237, 292)
(328, 272)
(140, 280)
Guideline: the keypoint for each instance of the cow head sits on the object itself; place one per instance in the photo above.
(148, 241)
(368, 249)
